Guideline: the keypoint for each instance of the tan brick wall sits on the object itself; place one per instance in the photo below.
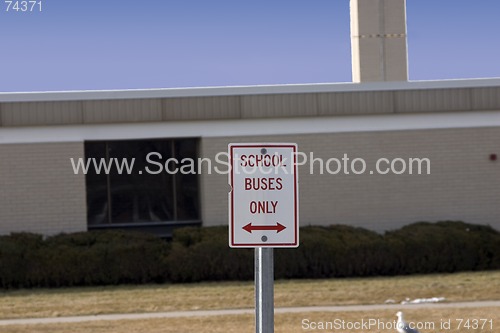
(38, 190)
(40, 193)
(463, 185)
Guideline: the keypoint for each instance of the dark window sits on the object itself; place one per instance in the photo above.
(120, 197)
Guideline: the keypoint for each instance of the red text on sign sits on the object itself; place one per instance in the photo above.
(263, 207)
(266, 184)
(262, 160)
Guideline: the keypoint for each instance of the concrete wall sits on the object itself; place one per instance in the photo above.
(463, 185)
(38, 191)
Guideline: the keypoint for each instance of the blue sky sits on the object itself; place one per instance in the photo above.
(87, 45)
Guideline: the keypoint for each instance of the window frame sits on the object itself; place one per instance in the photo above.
(162, 226)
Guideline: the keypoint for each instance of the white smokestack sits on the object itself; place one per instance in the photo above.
(378, 40)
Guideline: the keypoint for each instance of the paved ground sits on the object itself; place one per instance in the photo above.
(204, 313)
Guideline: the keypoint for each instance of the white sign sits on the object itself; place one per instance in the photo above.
(264, 198)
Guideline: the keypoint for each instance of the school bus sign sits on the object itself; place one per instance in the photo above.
(263, 201)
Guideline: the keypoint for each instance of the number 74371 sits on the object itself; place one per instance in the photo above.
(23, 6)
(475, 324)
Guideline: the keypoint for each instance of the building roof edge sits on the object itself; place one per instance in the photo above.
(79, 95)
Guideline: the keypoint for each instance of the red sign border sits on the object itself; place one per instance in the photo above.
(295, 243)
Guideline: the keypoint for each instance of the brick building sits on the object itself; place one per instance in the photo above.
(455, 124)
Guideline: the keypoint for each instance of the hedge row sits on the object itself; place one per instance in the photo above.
(201, 254)
(342, 251)
(87, 258)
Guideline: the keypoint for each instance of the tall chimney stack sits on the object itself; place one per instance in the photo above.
(378, 40)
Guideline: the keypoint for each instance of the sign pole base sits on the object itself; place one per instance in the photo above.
(264, 290)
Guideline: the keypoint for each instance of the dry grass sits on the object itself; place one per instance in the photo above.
(284, 323)
(454, 287)
(232, 295)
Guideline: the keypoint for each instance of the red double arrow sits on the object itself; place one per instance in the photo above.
(278, 227)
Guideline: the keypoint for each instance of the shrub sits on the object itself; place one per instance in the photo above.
(19, 254)
(200, 254)
(341, 251)
(445, 247)
(87, 258)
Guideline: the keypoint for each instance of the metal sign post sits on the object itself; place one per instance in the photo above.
(264, 290)
(263, 212)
